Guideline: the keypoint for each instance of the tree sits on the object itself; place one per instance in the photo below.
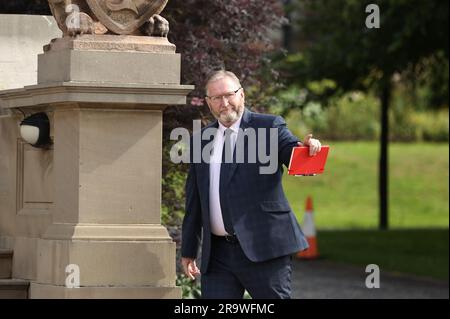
(338, 45)
(214, 34)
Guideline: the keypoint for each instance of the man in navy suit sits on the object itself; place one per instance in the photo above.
(237, 211)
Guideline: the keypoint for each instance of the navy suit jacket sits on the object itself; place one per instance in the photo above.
(262, 218)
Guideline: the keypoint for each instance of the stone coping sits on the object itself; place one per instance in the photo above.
(108, 42)
(95, 94)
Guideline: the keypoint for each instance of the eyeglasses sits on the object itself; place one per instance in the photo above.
(227, 96)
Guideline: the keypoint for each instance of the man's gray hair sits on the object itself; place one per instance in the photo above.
(218, 75)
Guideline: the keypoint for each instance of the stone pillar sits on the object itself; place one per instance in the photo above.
(105, 96)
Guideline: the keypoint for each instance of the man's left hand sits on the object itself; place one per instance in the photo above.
(314, 144)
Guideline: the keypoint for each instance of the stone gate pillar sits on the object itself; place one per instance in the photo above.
(104, 95)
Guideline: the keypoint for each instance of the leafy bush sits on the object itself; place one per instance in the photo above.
(355, 116)
(190, 289)
(174, 177)
(350, 117)
(411, 122)
(430, 126)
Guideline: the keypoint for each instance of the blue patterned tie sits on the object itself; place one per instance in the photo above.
(227, 158)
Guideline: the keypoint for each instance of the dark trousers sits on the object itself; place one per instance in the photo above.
(230, 272)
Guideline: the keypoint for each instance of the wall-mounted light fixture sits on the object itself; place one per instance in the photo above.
(35, 130)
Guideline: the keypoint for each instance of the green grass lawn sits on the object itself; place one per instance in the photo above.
(345, 200)
(421, 252)
(346, 194)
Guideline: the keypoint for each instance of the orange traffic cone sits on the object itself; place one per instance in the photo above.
(310, 233)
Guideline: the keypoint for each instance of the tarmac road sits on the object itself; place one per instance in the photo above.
(320, 279)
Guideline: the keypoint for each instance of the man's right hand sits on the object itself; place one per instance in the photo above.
(314, 145)
(189, 267)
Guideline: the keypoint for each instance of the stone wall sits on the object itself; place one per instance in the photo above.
(21, 40)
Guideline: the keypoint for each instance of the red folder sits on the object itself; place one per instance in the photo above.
(303, 164)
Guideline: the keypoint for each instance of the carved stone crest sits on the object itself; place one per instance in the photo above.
(126, 17)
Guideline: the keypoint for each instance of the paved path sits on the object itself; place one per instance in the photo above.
(321, 279)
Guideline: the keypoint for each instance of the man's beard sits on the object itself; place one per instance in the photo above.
(229, 117)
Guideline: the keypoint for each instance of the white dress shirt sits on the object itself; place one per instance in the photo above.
(217, 226)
